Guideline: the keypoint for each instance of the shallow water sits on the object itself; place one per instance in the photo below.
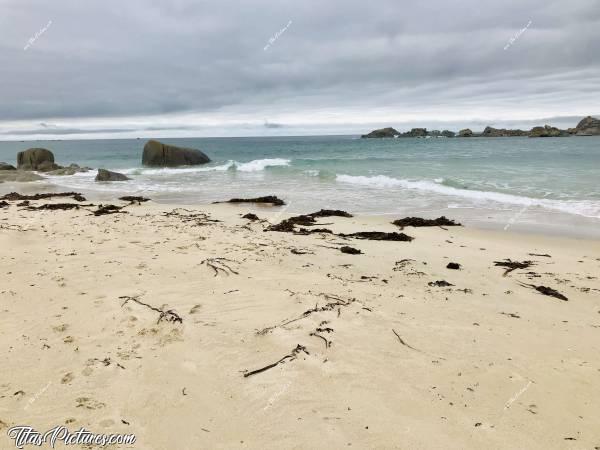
(545, 183)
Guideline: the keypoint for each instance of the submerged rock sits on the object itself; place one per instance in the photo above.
(158, 154)
(107, 175)
(36, 159)
(72, 169)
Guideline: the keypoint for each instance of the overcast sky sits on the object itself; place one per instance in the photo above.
(257, 67)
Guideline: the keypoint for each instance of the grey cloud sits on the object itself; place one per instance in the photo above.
(112, 58)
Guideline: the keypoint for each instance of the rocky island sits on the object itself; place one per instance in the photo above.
(589, 126)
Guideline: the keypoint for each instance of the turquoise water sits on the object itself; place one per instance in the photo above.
(502, 176)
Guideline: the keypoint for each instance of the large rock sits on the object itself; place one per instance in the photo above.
(590, 126)
(465, 133)
(36, 159)
(382, 133)
(547, 131)
(107, 175)
(448, 133)
(162, 155)
(6, 166)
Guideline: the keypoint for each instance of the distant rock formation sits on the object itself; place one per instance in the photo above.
(465, 133)
(6, 166)
(448, 133)
(416, 132)
(502, 132)
(40, 159)
(547, 131)
(158, 154)
(107, 175)
(590, 126)
(382, 133)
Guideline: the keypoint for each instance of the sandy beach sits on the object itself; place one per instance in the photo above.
(192, 327)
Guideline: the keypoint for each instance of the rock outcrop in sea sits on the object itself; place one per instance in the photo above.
(6, 166)
(107, 175)
(157, 154)
(39, 159)
(590, 126)
(465, 133)
(382, 133)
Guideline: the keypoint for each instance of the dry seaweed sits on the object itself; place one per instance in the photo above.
(16, 196)
(513, 265)
(108, 209)
(291, 356)
(169, 315)
(251, 217)
(440, 283)
(453, 266)
(544, 290)
(54, 207)
(379, 236)
(4, 204)
(220, 265)
(267, 199)
(134, 199)
(420, 222)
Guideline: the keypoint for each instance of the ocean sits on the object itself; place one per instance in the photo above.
(550, 184)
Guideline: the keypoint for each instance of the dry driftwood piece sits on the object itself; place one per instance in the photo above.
(379, 236)
(134, 199)
(419, 222)
(220, 265)
(546, 291)
(16, 196)
(291, 356)
(169, 315)
(267, 199)
(109, 209)
(513, 265)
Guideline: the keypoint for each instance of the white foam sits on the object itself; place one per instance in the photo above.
(261, 164)
(582, 208)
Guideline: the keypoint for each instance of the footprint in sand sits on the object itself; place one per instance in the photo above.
(61, 328)
(89, 403)
(67, 378)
